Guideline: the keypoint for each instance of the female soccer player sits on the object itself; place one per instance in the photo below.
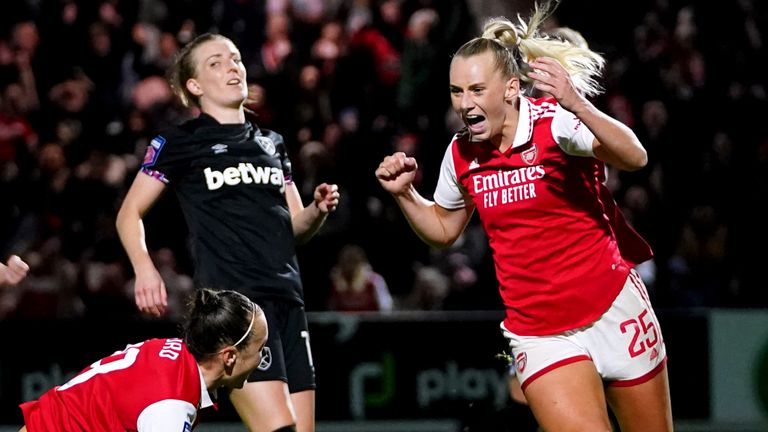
(159, 384)
(580, 326)
(233, 181)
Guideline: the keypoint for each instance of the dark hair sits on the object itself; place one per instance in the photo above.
(217, 319)
(183, 68)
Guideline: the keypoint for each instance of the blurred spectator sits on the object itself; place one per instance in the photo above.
(312, 110)
(430, 288)
(327, 49)
(355, 286)
(278, 46)
(17, 137)
(371, 42)
(419, 69)
(700, 265)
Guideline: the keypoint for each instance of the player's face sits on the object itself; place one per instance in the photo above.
(478, 95)
(220, 74)
(249, 356)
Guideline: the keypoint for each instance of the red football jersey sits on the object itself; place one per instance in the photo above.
(154, 385)
(544, 208)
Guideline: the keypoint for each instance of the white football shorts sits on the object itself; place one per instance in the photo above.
(625, 343)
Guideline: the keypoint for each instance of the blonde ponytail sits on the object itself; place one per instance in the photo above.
(516, 45)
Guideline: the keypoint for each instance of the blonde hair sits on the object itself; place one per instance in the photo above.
(184, 68)
(516, 45)
(567, 34)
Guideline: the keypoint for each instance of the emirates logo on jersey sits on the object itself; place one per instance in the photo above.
(520, 361)
(529, 156)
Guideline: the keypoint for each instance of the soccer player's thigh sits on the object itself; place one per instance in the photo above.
(264, 403)
(644, 407)
(629, 350)
(561, 383)
(300, 368)
(569, 398)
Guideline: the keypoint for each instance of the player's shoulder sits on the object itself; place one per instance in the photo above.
(463, 150)
(269, 133)
(543, 107)
(542, 102)
(172, 134)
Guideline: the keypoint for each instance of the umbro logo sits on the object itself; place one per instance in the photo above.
(219, 148)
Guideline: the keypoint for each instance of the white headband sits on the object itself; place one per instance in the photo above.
(250, 326)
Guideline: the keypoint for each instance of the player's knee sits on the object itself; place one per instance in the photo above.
(290, 428)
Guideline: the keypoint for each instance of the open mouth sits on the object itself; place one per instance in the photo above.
(234, 81)
(473, 119)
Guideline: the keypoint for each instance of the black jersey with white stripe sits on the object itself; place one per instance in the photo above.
(230, 181)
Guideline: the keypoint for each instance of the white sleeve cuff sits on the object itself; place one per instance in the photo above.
(571, 135)
(448, 192)
(167, 415)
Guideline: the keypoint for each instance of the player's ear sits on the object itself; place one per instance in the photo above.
(512, 88)
(194, 87)
(228, 356)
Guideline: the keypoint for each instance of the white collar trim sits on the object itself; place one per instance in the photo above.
(524, 123)
(205, 397)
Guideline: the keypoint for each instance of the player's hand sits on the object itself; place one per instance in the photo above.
(326, 197)
(150, 293)
(15, 271)
(396, 173)
(551, 77)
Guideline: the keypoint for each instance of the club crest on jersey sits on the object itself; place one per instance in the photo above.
(529, 156)
(266, 359)
(520, 361)
(266, 144)
(153, 150)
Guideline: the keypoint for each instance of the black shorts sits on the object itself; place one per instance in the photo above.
(290, 357)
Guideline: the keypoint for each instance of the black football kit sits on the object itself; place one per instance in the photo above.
(230, 181)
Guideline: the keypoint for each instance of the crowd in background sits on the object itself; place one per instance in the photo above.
(82, 92)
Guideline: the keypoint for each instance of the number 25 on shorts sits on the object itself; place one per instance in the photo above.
(644, 335)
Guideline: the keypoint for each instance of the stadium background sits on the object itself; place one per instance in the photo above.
(346, 82)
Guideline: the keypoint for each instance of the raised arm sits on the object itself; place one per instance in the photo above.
(615, 143)
(149, 289)
(437, 226)
(308, 220)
